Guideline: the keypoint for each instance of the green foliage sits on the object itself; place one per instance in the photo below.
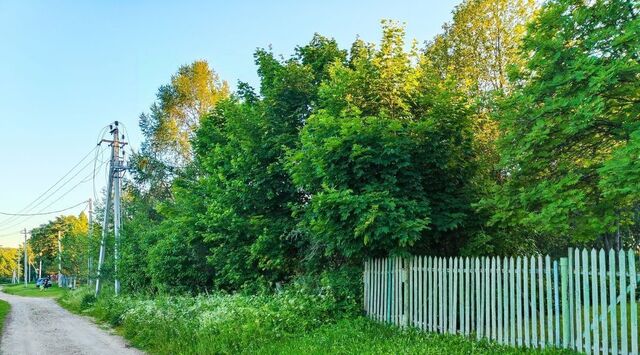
(74, 244)
(212, 324)
(169, 127)
(8, 262)
(569, 125)
(386, 160)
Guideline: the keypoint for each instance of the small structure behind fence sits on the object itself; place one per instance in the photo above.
(586, 301)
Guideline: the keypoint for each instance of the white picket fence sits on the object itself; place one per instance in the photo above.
(586, 301)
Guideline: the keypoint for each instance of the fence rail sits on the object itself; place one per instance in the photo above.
(585, 301)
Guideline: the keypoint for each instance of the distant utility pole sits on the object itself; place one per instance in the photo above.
(25, 257)
(116, 169)
(59, 257)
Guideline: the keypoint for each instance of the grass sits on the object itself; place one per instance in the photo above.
(32, 291)
(4, 311)
(363, 336)
(287, 323)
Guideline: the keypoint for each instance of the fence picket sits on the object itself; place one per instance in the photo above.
(613, 296)
(425, 299)
(477, 298)
(534, 308)
(467, 291)
(419, 304)
(487, 299)
(519, 300)
(461, 314)
(454, 312)
(399, 284)
(603, 302)
(586, 300)
(572, 325)
(541, 305)
(549, 298)
(387, 290)
(441, 298)
(564, 291)
(525, 286)
(432, 295)
(578, 302)
(623, 302)
(594, 302)
(512, 301)
(492, 303)
(634, 306)
(376, 275)
(499, 298)
(556, 299)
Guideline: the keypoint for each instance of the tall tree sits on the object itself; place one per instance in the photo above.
(481, 42)
(172, 121)
(571, 125)
(384, 162)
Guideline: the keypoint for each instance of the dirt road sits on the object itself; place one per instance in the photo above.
(41, 326)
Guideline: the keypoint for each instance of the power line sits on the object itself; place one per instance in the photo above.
(27, 207)
(40, 212)
(30, 206)
(43, 213)
(19, 219)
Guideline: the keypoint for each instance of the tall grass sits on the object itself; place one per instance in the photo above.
(209, 324)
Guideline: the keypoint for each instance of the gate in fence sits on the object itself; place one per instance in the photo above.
(586, 301)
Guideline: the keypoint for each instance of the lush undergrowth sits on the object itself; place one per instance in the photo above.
(32, 291)
(363, 336)
(4, 312)
(291, 322)
(216, 323)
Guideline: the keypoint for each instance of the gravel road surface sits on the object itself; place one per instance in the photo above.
(40, 326)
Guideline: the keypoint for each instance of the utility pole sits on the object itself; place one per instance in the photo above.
(116, 207)
(40, 268)
(59, 257)
(116, 168)
(89, 237)
(25, 257)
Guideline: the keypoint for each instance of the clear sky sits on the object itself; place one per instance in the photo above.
(68, 68)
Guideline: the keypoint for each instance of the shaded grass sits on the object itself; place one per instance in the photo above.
(4, 311)
(32, 291)
(363, 336)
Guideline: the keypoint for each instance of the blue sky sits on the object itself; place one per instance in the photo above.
(68, 68)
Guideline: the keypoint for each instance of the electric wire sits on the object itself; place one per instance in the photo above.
(43, 213)
(21, 219)
(12, 221)
(84, 180)
(26, 208)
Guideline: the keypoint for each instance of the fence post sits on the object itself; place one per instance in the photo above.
(405, 288)
(566, 317)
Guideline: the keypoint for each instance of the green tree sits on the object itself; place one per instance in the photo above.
(571, 126)
(8, 262)
(172, 121)
(384, 163)
(235, 203)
